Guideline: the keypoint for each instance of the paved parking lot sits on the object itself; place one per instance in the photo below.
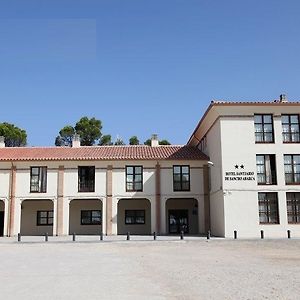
(144, 269)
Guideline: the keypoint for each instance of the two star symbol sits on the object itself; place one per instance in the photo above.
(241, 166)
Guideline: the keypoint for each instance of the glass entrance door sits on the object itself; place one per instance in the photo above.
(178, 221)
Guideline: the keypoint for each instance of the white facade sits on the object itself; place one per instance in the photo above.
(227, 135)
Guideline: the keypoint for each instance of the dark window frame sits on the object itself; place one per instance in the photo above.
(273, 176)
(134, 181)
(293, 202)
(48, 218)
(264, 133)
(90, 212)
(267, 203)
(135, 216)
(181, 189)
(290, 134)
(293, 173)
(86, 185)
(41, 179)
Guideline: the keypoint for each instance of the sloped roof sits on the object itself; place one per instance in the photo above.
(216, 103)
(101, 153)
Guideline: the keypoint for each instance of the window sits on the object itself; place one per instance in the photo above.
(290, 128)
(38, 179)
(86, 179)
(292, 169)
(45, 218)
(263, 129)
(134, 178)
(133, 217)
(91, 217)
(181, 178)
(293, 207)
(266, 169)
(268, 208)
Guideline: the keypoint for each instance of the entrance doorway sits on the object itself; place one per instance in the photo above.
(178, 220)
(1, 223)
(182, 215)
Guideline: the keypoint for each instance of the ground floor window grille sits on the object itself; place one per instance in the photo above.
(45, 218)
(134, 217)
(268, 208)
(91, 217)
(293, 207)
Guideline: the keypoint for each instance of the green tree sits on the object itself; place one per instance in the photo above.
(14, 136)
(89, 130)
(148, 142)
(164, 142)
(134, 140)
(65, 136)
(105, 140)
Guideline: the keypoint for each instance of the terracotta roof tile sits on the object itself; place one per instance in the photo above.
(102, 153)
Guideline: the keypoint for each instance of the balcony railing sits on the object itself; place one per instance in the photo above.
(86, 186)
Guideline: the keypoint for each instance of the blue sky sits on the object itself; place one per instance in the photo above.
(141, 66)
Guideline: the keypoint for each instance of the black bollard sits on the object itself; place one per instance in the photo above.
(101, 236)
(154, 236)
(74, 237)
(181, 235)
(19, 237)
(235, 234)
(289, 234)
(46, 237)
(128, 236)
(262, 236)
(208, 235)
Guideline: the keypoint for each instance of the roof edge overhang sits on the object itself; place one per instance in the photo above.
(200, 122)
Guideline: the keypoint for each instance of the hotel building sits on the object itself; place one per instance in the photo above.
(254, 151)
(240, 171)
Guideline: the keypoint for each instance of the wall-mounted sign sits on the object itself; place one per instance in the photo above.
(240, 174)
